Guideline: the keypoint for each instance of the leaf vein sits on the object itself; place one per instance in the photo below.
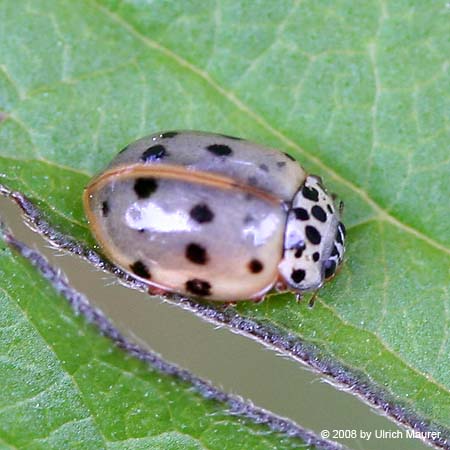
(231, 96)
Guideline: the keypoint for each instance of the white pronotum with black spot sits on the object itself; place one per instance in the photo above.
(215, 216)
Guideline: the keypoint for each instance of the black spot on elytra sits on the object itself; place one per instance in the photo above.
(334, 252)
(248, 219)
(316, 256)
(299, 252)
(264, 167)
(318, 212)
(281, 164)
(196, 253)
(310, 193)
(330, 209)
(154, 153)
(140, 269)
(168, 134)
(219, 149)
(144, 187)
(330, 268)
(301, 213)
(201, 213)
(198, 287)
(255, 266)
(105, 208)
(290, 157)
(298, 275)
(342, 227)
(312, 234)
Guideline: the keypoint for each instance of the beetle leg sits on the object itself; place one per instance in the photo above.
(280, 285)
(153, 290)
(224, 306)
(313, 299)
(258, 299)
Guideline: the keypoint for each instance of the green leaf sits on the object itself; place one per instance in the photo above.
(64, 385)
(356, 91)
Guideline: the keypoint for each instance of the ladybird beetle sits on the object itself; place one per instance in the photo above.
(215, 216)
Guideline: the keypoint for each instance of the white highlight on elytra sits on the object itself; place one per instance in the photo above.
(154, 218)
(261, 231)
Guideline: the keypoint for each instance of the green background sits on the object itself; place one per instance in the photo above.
(358, 93)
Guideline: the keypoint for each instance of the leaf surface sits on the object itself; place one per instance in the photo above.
(65, 386)
(358, 93)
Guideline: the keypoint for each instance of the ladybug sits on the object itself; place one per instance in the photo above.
(214, 216)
